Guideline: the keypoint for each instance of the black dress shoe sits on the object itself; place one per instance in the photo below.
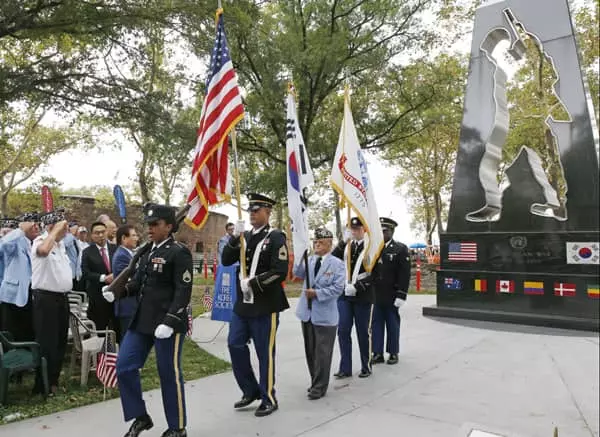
(342, 375)
(377, 358)
(245, 401)
(140, 424)
(393, 359)
(265, 409)
(314, 396)
(364, 374)
(175, 433)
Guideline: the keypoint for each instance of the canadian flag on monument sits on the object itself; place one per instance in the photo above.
(350, 178)
(299, 177)
(504, 286)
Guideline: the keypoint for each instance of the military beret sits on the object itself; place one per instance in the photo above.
(29, 217)
(257, 201)
(321, 233)
(355, 222)
(9, 223)
(52, 217)
(387, 222)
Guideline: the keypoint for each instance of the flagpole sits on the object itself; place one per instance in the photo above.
(236, 177)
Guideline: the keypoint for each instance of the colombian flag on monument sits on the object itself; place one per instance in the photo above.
(594, 291)
(533, 288)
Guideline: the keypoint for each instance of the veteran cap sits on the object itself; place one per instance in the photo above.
(321, 233)
(355, 222)
(257, 201)
(10, 223)
(82, 229)
(387, 223)
(29, 217)
(53, 217)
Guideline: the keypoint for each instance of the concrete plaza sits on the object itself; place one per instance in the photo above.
(453, 376)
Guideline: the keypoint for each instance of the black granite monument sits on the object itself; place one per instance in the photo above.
(528, 253)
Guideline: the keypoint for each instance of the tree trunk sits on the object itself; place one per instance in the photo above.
(4, 203)
(143, 178)
(338, 219)
(437, 199)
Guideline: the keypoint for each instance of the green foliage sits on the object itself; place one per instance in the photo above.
(425, 159)
(196, 363)
(26, 145)
(320, 46)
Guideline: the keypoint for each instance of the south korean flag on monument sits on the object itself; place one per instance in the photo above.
(583, 253)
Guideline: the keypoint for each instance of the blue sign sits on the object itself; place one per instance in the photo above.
(225, 292)
(120, 200)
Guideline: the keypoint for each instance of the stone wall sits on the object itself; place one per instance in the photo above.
(83, 209)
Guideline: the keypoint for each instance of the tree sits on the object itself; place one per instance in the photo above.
(26, 145)
(425, 160)
(320, 45)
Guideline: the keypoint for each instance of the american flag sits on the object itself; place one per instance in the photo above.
(207, 299)
(221, 111)
(462, 251)
(106, 370)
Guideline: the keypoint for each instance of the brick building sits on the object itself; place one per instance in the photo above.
(202, 242)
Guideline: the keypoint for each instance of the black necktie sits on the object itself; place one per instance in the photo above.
(317, 266)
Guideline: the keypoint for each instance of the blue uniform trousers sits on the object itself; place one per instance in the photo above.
(132, 356)
(262, 330)
(359, 314)
(386, 318)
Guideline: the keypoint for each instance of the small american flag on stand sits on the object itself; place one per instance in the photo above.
(207, 299)
(464, 251)
(221, 111)
(106, 371)
(190, 320)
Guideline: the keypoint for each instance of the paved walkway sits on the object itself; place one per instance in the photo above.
(453, 376)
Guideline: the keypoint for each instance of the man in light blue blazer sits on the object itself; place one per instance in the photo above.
(15, 278)
(318, 311)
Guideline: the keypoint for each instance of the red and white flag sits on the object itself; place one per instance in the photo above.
(564, 289)
(221, 111)
(504, 286)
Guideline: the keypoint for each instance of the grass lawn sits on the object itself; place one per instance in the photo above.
(196, 364)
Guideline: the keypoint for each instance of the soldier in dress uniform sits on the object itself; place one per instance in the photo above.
(355, 305)
(390, 281)
(260, 299)
(163, 284)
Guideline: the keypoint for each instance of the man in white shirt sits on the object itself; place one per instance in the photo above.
(51, 279)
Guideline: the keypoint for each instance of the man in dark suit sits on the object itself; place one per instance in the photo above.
(97, 272)
(391, 279)
(124, 306)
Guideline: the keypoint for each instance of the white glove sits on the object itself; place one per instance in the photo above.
(240, 227)
(399, 303)
(163, 331)
(109, 296)
(245, 284)
(350, 290)
(347, 234)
